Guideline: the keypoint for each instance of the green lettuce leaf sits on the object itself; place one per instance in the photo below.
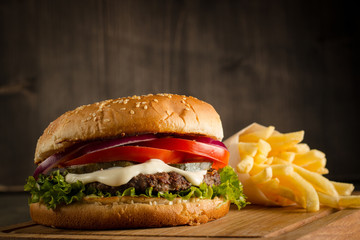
(230, 188)
(52, 190)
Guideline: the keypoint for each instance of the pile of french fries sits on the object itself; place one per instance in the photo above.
(286, 170)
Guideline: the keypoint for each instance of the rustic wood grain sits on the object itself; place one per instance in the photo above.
(251, 222)
(292, 64)
(339, 225)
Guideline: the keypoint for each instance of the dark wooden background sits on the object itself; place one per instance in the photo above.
(291, 64)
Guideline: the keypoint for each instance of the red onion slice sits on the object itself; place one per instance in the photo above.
(206, 140)
(48, 164)
(102, 145)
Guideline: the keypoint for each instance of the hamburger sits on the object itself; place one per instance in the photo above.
(133, 162)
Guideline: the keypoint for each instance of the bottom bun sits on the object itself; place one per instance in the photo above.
(129, 212)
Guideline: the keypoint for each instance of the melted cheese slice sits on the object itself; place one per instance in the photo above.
(117, 176)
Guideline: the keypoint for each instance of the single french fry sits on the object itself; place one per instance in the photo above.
(303, 189)
(263, 147)
(246, 148)
(316, 166)
(281, 142)
(245, 165)
(320, 183)
(299, 148)
(287, 156)
(272, 189)
(263, 176)
(277, 160)
(257, 168)
(328, 200)
(349, 201)
(282, 170)
(259, 158)
(322, 171)
(302, 159)
(256, 135)
(344, 189)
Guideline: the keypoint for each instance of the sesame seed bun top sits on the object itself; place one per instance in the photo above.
(161, 113)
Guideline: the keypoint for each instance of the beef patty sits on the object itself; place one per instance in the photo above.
(160, 182)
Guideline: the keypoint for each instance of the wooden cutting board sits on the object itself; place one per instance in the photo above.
(252, 222)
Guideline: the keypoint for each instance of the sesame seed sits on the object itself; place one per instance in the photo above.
(102, 105)
(155, 100)
(135, 97)
(138, 104)
(132, 111)
(145, 107)
(122, 109)
(183, 101)
(188, 109)
(126, 101)
(106, 120)
(143, 103)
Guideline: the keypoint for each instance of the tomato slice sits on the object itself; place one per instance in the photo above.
(217, 154)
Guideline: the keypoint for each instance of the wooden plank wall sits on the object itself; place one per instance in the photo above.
(291, 64)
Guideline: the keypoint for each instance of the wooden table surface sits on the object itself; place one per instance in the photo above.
(252, 222)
